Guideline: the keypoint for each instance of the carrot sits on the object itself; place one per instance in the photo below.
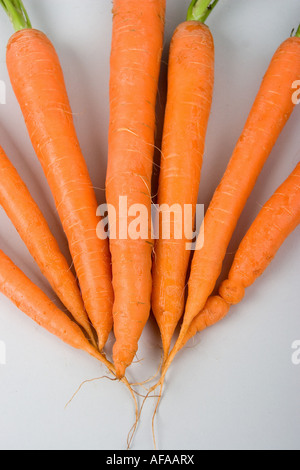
(35, 232)
(32, 301)
(276, 221)
(39, 86)
(190, 92)
(270, 112)
(278, 218)
(137, 41)
(214, 311)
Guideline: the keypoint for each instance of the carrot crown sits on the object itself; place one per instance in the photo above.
(17, 14)
(199, 10)
(298, 32)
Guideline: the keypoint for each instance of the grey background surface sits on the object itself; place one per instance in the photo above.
(235, 387)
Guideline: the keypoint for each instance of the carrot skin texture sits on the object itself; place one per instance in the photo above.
(38, 83)
(270, 112)
(190, 93)
(137, 42)
(32, 301)
(35, 232)
(214, 311)
(276, 221)
(278, 218)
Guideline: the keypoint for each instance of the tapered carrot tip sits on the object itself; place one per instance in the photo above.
(166, 337)
(102, 339)
(232, 292)
(123, 357)
(120, 369)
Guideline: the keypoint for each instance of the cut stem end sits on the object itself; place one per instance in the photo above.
(199, 10)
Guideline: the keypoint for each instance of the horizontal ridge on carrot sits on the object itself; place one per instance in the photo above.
(190, 93)
(137, 40)
(35, 232)
(278, 218)
(38, 82)
(271, 110)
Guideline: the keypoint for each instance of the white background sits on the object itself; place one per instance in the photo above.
(237, 387)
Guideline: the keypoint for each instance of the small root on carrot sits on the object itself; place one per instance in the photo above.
(154, 415)
(137, 361)
(132, 392)
(133, 429)
(141, 384)
(86, 382)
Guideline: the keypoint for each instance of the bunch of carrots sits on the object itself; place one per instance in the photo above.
(119, 281)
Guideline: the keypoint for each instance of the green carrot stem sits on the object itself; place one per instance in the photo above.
(199, 10)
(16, 13)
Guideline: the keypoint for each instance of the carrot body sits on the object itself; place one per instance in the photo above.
(190, 91)
(271, 110)
(35, 232)
(276, 221)
(38, 83)
(135, 64)
(31, 300)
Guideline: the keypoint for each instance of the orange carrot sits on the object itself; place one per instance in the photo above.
(35, 232)
(39, 86)
(32, 301)
(276, 221)
(271, 111)
(214, 311)
(135, 64)
(190, 91)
